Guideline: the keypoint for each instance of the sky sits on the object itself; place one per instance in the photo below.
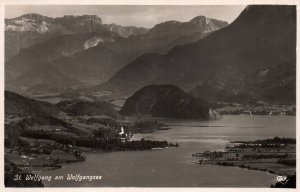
(131, 15)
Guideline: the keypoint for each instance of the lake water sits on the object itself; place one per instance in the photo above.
(175, 167)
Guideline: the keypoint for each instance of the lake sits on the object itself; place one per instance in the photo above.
(175, 167)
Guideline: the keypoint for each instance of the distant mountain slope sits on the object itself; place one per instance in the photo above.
(18, 105)
(254, 57)
(59, 46)
(83, 69)
(15, 41)
(165, 101)
(67, 61)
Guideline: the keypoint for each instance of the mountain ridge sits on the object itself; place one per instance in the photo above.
(261, 38)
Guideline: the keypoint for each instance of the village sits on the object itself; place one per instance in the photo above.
(35, 147)
(258, 108)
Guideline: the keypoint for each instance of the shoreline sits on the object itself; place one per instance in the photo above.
(140, 134)
(242, 167)
(245, 168)
(275, 156)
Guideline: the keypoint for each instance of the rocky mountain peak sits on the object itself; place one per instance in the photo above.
(207, 23)
(35, 17)
(94, 18)
(165, 25)
(199, 19)
(201, 23)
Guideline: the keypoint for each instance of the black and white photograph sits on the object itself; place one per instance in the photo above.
(149, 95)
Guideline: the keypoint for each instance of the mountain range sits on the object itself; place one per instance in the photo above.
(31, 29)
(76, 58)
(252, 58)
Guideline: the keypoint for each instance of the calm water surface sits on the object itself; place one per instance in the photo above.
(175, 167)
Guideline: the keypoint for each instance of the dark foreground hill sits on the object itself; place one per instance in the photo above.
(252, 58)
(165, 101)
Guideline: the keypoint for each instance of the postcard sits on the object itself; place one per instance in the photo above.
(184, 95)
